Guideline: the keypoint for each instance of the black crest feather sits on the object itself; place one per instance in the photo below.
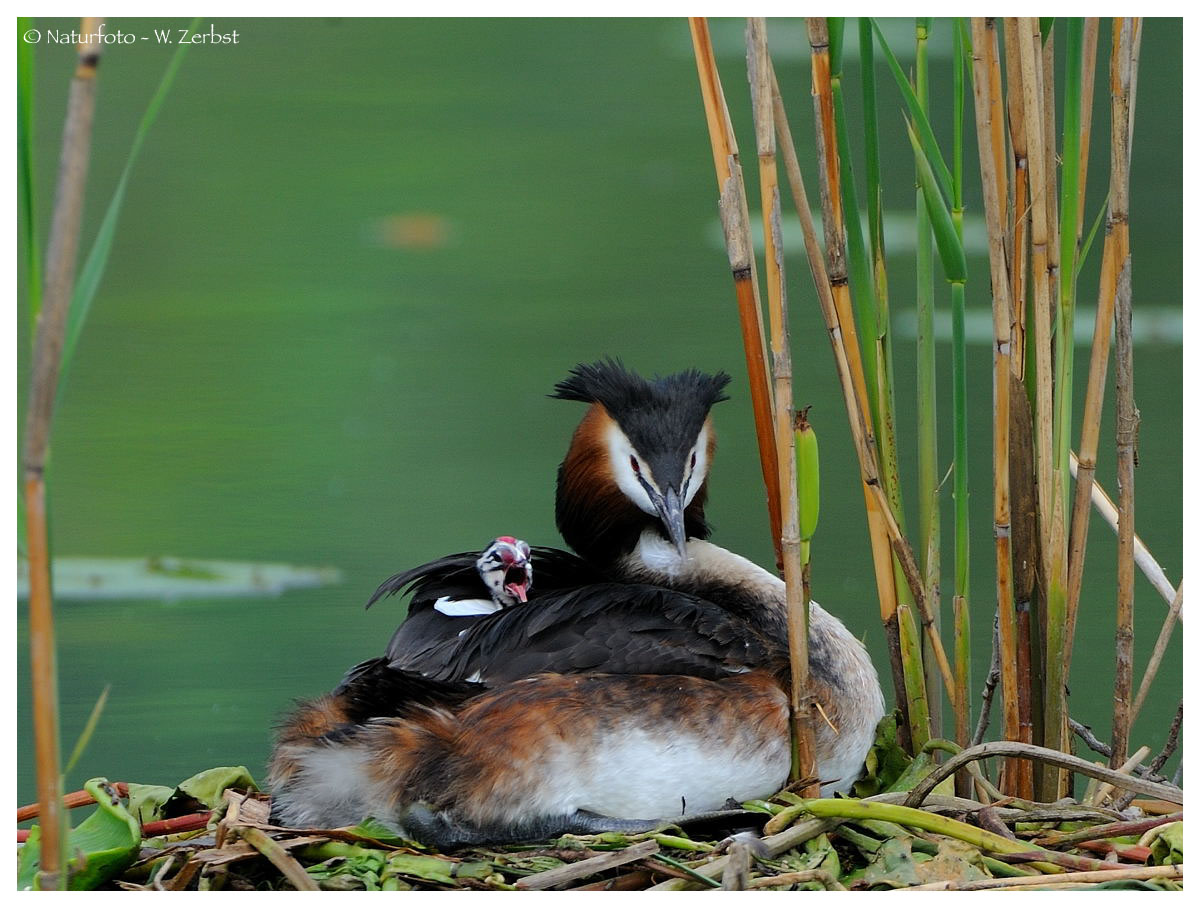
(619, 390)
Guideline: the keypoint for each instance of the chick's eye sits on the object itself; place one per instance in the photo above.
(693, 466)
(633, 462)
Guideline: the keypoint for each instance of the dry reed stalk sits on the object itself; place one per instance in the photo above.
(1091, 37)
(1142, 556)
(61, 253)
(1160, 648)
(1127, 767)
(1044, 251)
(735, 219)
(1029, 59)
(835, 250)
(757, 59)
(1046, 79)
(1018, 253)
(1114, 277)
(854, 406)
(925, 787)
(987, 94)
(1126, 432)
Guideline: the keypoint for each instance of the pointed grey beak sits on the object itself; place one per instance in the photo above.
(670, 511)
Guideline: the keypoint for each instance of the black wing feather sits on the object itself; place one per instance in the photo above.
(605, 627)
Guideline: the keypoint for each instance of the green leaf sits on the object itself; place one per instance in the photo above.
(435, 870)
(371, 828)
(99, 848)
(89, 729)
(146, 801)
(25, 165)
(886, 761)
(950, 247)
(96, 262)
(208, 787)
(1087, 243)
(893, 867)
(917, 114)
(1168, 847)
(837, 30)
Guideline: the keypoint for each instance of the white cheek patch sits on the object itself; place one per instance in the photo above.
(700, 470)
(461, 608)
(620, 450)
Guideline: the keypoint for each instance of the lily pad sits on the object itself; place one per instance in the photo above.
(168, 578)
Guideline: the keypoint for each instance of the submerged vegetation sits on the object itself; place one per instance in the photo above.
(915, 821)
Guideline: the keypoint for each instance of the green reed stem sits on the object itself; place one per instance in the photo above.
(1056, 600)
(881, 352)
(962, 616)
(928, 510)
(868, 280)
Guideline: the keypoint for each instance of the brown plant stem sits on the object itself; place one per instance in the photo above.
(1043, 755)
(735, 219)
(1127, 428)
(986, 100)
(1142, 556)
(989, 687)
(61, 253)
(70, 801)
(1088, 737)
(1160, 649)
(1114, 282)
(1159, 761)
(805, 763)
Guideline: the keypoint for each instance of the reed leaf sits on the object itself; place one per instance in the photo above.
(949, 245)
(917, 115)
(89, 729)
(94, 266)
(25, 173)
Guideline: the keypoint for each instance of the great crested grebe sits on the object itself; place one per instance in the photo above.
(610, 702)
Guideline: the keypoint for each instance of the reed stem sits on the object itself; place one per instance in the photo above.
(1126, 437)
(1142, 556)
(863, 441)
(962, 612)
(1114, 279)
(735, 220)
(835, 250)
(1160, 649)
(991, 163)
(928, 473)
(61, 254)
(804, 764)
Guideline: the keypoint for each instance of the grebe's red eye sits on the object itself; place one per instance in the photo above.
(633, 462)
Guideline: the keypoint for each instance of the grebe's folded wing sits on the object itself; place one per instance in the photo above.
(605, 627)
